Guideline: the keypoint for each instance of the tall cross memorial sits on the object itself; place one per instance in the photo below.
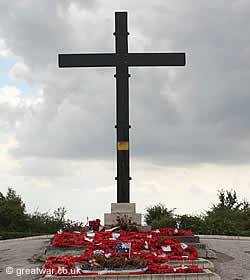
(122, 59)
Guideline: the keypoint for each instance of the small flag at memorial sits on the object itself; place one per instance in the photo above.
(122, 247)
(184, 246)
(115, 235)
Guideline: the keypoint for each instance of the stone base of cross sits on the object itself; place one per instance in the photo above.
(126, 211)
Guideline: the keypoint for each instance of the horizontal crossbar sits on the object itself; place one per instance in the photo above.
(156, 59)
(87, 60)
(112, 59)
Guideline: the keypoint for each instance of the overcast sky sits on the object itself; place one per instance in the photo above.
(190, 131)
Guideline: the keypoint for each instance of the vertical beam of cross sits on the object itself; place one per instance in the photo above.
(121, 59)
(122, 108)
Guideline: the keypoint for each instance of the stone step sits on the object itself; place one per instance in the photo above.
(203, 250)
(201, 263)
(64, 251)
(183, 238)
(207, 275)
(78, 250)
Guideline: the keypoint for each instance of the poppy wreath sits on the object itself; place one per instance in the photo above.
(95, 224)
(164, 269)
(155, 248)
(55, 264)
(64, 266)
(76, 239)
(68, 239)
(139, 241)
(151, 246)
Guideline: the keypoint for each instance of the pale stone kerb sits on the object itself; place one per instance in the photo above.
(208, 275)
(28, 238)
(201, 263)
(246, 238)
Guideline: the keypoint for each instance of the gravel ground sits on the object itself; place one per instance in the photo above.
(232, 263)
(233, 258)
(15, 255)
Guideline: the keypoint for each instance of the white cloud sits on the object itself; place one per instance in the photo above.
(8, 163)
(19, 71)
(11, 96)
(111, 188)
(4, 51)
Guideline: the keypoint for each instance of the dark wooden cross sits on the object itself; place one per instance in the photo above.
(121, 59)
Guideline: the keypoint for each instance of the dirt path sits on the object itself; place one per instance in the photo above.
(15, 258)
(233, 258)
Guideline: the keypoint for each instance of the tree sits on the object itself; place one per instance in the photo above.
(193, 223)
(15, 222)
(228, 216)
(60, 214)
(12, 211)
(157, 212)
(227, 200)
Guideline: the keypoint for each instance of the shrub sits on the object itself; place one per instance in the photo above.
(163, 222)
(195, 224)
(157, 212)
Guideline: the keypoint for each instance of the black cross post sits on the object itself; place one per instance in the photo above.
(121, 59)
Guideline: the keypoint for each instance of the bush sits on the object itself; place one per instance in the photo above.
(163, 222)
(224, 222)
(15, 222)
(12, 212)
(157, 212)
(228, 217)
(195, 224)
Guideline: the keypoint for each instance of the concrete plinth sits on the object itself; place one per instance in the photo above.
(207, 275)
(122, 210)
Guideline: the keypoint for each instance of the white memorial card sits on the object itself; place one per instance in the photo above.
(166, 248)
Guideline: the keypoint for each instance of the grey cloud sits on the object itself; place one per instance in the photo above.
(42, 168)
(35, 30)
(206, 121)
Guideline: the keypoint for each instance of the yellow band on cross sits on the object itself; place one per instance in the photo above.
(122, 146)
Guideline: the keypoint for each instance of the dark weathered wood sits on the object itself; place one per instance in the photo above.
(156, 59)
(87, 60)
(113, 59)
(122, 107)
(121, 59)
